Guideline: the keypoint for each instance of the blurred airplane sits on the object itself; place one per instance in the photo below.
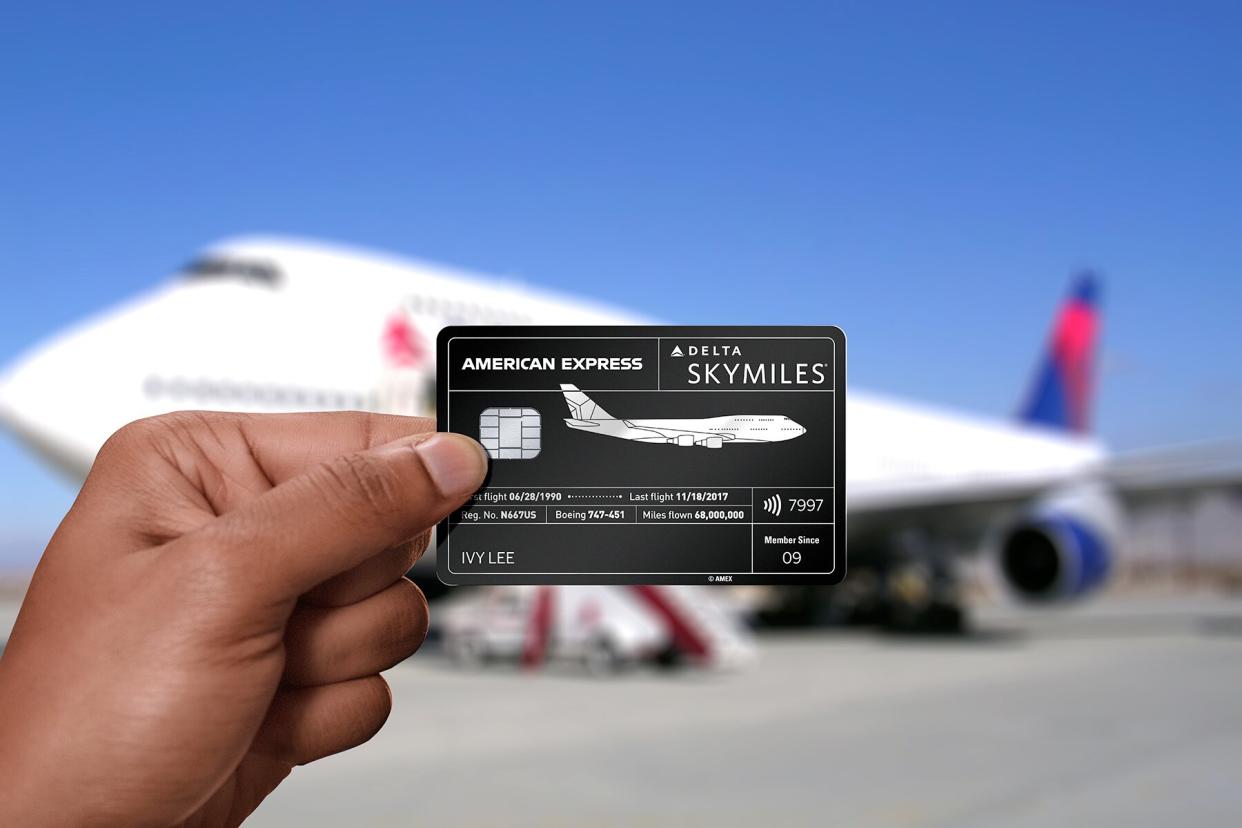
(264, 324)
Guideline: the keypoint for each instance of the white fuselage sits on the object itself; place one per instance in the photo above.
(275, 325)
(711, 432)
(737, 428)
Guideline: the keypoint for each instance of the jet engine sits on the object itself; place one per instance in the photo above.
(682, 439)
(1062, 548)
(713, 442)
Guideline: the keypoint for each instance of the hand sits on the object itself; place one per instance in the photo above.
(215, 609)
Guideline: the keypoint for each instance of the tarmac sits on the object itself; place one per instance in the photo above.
(1124, 712)
(1119, 712)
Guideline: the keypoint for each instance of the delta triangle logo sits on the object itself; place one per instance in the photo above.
(676, 351)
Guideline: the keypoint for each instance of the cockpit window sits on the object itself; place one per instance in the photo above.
(249, 270)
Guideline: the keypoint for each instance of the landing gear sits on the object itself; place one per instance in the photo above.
(919, 599)
(910, 586)
(921, 588)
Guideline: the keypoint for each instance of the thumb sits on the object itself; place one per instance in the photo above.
(343, 512)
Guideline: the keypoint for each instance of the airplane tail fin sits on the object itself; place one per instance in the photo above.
(1060, 396)
(581, 406)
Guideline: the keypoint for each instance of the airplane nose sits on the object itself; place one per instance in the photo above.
(6, 401)
(64, 397)
(37, 407)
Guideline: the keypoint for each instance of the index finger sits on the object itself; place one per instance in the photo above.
(284, 446)
(340, 513)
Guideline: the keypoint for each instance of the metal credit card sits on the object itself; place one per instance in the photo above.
(658, 455)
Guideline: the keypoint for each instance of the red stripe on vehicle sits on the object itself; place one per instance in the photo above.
(539, 628)
(685, 636)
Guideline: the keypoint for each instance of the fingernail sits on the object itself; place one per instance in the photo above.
(456, 463)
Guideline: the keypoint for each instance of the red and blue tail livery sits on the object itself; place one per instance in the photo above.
(1064, 380)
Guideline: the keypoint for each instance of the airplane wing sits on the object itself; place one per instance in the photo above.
(1177, 472)
(647, 433)
(957, 509)
(1138, 479)
(669, 431)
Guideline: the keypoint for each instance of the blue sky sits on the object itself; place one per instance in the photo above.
(924, 174)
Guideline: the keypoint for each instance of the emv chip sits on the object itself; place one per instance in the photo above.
(510, 433)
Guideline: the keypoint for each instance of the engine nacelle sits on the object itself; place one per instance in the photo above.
(683, 439)
(713, 442)
(1063, 547)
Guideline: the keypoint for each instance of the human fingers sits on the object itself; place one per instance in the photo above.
(308, 723)
(370, 576)
(162, 477)
(323, 646)
(285, 446)
(343, 512)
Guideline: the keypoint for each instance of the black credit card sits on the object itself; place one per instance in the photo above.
(647, 455)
